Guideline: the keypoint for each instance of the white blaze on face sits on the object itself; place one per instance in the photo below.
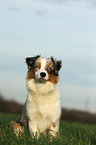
(41, 73)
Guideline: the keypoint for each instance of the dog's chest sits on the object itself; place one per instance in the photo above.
(43, 104)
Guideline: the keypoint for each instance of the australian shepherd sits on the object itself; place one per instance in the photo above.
(42, 110)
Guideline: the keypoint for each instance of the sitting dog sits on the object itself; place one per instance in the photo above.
(42, 109)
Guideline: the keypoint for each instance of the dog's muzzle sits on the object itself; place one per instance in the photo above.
(41, 76)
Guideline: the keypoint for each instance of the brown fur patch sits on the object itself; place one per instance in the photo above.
(17, 127)
(48, 65)
(30, 74)
(53, 78)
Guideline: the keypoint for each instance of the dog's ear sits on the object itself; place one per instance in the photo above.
(57, 65)
(31, 60)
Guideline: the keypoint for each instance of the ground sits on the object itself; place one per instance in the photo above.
(71, 133)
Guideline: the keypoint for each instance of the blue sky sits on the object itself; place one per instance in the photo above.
(65, 30)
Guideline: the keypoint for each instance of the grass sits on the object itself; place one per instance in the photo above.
(70, 134)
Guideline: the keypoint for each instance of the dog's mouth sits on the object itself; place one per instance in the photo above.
(41, 80)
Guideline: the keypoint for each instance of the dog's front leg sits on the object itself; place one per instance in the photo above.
(33, 128)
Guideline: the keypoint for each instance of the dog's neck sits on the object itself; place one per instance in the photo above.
(40, 88)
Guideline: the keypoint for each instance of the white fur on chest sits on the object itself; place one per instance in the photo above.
(43, 103)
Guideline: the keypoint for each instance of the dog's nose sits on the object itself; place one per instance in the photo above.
(42, 74)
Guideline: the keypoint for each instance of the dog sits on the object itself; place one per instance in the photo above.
(42, 109)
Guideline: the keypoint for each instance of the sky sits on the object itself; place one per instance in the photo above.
(59, 28)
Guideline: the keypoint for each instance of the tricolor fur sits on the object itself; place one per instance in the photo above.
(42, 107)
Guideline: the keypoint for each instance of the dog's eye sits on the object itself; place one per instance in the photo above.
(37, 67)
(49, 69)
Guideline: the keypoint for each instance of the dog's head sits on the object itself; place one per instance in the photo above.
(43, 69)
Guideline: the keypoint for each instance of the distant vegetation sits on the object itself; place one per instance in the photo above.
(10, 106)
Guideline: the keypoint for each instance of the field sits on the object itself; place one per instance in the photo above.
(70, 134)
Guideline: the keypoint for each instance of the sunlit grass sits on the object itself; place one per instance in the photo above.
(70, 134)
